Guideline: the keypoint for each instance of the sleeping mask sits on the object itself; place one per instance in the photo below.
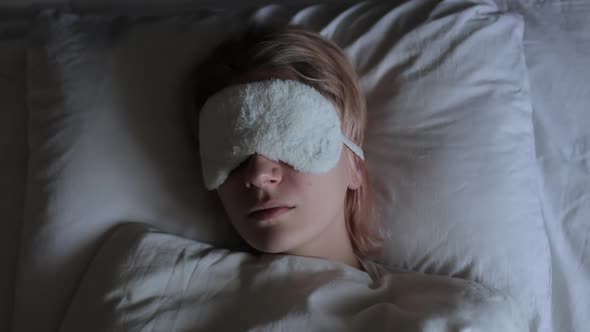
(280, 119)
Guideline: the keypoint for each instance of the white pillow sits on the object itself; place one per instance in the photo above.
(449, 145)
(109, 142)
(451, 148)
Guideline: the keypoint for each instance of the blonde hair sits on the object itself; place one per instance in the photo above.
(322, 64)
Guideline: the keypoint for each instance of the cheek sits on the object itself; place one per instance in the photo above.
(311, 190)
(227, 195)
(324, 192)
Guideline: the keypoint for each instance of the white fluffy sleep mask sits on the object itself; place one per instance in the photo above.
(280, 119)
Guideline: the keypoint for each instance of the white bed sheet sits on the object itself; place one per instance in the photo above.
(143, 279)
(557, 50)
(13, 156)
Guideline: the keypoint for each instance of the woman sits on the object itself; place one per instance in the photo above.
(279, 209)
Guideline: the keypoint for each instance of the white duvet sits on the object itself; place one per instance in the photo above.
(146, 280)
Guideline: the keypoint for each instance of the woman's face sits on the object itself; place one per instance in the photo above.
(317, 201)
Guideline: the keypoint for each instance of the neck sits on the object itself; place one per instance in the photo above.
(333, 243)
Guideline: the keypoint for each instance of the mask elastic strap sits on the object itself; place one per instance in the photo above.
(355, 148)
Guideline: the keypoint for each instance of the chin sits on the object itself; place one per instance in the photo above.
(270, 248)
(266, 242)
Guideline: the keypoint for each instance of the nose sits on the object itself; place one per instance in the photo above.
(261, 171)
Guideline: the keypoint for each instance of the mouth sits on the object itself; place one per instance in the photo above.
(270, 213)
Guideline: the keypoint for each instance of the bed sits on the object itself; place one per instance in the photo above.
(503, 167)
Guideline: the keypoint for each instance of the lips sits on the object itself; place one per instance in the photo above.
(268, 205)
(270, 213)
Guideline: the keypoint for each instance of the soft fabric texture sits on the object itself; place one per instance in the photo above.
(450, 124)
(143, 279)
(101, 149)
(281, 119)
(449, 143)
(557, 46)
